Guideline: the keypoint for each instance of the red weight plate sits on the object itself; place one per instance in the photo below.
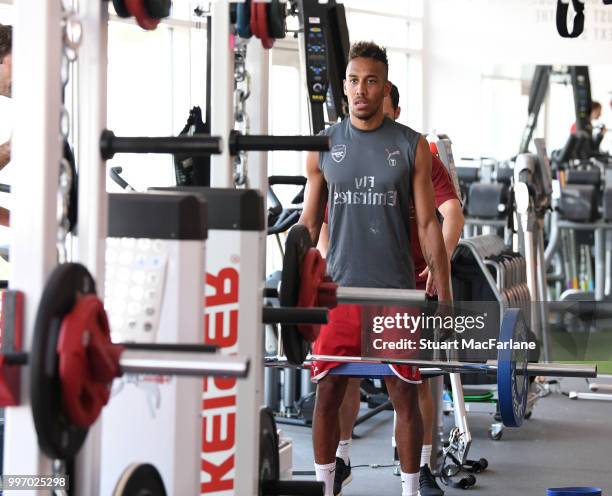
(262, 20)
(58, 437)
(297, 244)
(312, 275)
(137, 9)
(88, 361)
(253, 21)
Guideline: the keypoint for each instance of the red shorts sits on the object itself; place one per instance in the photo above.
(342, 337)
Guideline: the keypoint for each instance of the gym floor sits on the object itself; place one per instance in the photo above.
(565, 443)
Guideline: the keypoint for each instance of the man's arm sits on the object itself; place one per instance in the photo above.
(430, 233)
(452, 227)
(5, 154)
(4, 217)
(314, 197)
(323, 244)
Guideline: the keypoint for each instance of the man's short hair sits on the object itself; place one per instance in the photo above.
(370, 50)
(394, 96)
(6, 40)
(595, 105)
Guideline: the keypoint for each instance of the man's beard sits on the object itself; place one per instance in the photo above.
(364, 116)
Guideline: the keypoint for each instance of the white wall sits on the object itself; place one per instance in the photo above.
(469, 43)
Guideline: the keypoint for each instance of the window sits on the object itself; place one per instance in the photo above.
(398, 26)
(155, 100)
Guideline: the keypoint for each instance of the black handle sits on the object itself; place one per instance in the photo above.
(115, 174)
(292, 488)
(196, 145)
(270, 293)
(198, 348)
(253, 143)
(294, 315)
(286, 219)
(5, 188)
(15, 358)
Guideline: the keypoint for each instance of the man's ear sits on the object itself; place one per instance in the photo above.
(387, 89)
(397, 112)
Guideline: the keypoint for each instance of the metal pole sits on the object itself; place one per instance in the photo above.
(490, 366)
(379, 295)
(222, 90)
(600, 264)
(36, 149)
(191, 364)
(542, 289)
(93, 200)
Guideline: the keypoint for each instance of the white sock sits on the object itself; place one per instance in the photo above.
(410, 484)
(426, 455)
(343, 450)
(326, 473)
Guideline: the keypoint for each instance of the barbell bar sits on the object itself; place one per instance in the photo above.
(204, 145)
(490, 366)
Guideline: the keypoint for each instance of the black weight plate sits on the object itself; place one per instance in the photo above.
(57, 436)
(121, 9)
(277, 13)
(298, 242)
(140, 480)
(73, 199)
(158, 9)
(269, 464)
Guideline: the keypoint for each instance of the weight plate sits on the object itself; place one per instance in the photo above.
(140, 480)
(297, 244)
(264, 30)
(137, 9)
(512, 379)
(58, 437)
(84, 340)
(243, 19)
(253, 24)
(269, 464)
(277, 14)
(157, 9)
(312, 275)
(121, 9)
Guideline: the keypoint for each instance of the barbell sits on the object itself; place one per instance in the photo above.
(203, 145)
(305, 283)
(73, 361)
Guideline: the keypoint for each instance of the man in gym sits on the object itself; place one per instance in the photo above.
(6, 81)
(450, 209)
(374, 169)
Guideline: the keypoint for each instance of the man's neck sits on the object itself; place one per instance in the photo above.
(372, 123)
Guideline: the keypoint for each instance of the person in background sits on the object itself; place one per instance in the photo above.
(6, 83)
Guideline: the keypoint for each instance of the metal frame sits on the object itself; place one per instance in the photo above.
(36, 145)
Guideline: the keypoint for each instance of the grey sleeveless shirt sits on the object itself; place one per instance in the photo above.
(369, 180)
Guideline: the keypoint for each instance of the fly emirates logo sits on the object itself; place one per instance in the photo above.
(365, 194)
